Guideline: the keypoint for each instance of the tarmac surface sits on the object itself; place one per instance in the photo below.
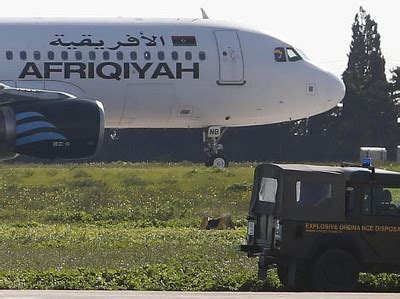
(181, 295)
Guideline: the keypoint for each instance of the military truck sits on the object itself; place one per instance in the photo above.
(321, 226)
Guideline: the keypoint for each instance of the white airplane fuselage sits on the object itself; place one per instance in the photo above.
(166, 73)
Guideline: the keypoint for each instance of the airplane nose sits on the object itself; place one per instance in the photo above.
(336, 89)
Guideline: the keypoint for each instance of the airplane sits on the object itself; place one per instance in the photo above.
(65, 80)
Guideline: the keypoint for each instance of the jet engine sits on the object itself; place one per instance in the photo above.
(65, 128)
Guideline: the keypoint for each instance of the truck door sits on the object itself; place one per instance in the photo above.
(261, 214)
(381, 221)
(231, 65)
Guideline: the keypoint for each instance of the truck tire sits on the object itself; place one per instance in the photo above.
(282, 270)
(335, 270)
(302, 281)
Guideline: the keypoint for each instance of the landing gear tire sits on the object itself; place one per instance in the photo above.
(218, 161)
(214, 150)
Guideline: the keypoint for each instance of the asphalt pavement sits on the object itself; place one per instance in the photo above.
(181, 295)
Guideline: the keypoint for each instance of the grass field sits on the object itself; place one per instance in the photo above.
(129, 226)
(145, 195)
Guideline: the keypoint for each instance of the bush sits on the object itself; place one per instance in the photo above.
(148, 277)
(383, 282)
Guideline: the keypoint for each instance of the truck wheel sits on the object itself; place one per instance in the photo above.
(283, 271)
(302, 283)
(335, 270)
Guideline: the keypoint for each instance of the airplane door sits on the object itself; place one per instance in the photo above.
(231, 65)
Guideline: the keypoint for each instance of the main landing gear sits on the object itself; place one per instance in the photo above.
(213, 149)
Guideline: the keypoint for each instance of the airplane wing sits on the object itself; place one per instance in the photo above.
(10, 95)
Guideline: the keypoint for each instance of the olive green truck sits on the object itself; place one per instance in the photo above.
(321, 226)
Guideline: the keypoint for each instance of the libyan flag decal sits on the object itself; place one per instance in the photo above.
(185, 41)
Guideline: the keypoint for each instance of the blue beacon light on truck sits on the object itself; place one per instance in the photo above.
(367, 162)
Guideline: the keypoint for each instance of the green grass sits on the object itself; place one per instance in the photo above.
(166, 195)
(69, 223)
(116, 246)
(75, 256)
(129, 226)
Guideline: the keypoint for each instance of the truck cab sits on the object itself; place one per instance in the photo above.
(321, 226)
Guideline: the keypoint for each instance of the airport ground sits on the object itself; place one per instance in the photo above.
(185, 295)
(128, 226)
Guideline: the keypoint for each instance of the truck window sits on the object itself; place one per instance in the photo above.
(268, 189)
(313, 193)
(381, 200)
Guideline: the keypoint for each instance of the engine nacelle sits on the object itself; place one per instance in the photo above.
(65, 129)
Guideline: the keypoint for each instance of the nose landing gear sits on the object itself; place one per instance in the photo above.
(213, 149)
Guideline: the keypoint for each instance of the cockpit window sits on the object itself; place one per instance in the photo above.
(280, 55)
(293, 55)
(302, 54)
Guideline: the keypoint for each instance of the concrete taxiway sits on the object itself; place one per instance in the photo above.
(181, 295)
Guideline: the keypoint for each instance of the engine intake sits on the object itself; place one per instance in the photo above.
(64, 129)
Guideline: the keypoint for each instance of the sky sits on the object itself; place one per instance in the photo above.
(320, 28)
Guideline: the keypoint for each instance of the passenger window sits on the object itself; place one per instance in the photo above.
(92, 55)
(106, 55)
(268, 189)
(382, 201)
(313, 193)
(133, 55)
(9, 55)
(50, 55)
(161, 55)
(174, 55)
(311, 89)
(202, 55)
(64, 55)
(280, 55)
(78, 55)
(22, 55)
(188, 55)
(293, 55)
(147, 55)
(36, 55)
(120, 55)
